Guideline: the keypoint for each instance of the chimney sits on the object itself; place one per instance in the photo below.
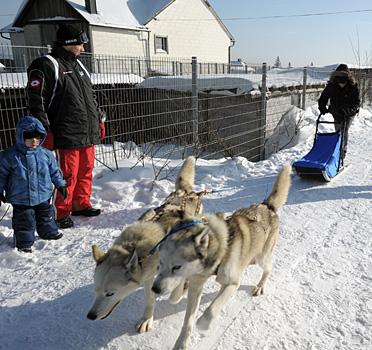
(91, 6)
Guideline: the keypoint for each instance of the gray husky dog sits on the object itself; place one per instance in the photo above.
(199, 247)
(128, 264)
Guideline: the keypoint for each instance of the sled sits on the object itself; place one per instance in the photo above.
(325, 159)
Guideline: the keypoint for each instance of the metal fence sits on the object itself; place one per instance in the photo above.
(173, 107)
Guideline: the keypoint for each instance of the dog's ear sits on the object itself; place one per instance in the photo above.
(202, 239)
(133, 261)
(98, 253)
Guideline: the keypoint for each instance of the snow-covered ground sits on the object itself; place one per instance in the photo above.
(319, 295)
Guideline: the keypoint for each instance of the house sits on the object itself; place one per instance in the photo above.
(138, 28)
(240, 67)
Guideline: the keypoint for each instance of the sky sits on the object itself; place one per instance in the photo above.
(318, 295)
(322, 40)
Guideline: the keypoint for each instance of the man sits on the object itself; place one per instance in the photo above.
(342, 92)
(61, 96)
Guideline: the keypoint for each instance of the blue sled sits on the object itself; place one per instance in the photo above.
(325, 159)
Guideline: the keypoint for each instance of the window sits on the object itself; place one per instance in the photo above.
(161, 44)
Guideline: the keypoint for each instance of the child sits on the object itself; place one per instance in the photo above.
(27, 174)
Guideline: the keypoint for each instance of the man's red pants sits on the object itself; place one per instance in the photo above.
(77, 170)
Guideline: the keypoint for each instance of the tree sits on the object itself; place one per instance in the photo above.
(277, 63)
(311, 64)
(289, 65)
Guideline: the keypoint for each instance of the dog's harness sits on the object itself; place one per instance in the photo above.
(174, 230)
(270, 207)
(159, 211)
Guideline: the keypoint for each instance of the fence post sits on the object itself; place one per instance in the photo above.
(303, 104)
(194, 103)
(263, 110)
(139, 68)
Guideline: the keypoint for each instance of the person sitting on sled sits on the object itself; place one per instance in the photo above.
(342, 93)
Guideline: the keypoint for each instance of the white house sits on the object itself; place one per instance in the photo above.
(143, 28)
(240, 67)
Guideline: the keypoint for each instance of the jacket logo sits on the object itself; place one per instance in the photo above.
(35, 84)
(81, 73)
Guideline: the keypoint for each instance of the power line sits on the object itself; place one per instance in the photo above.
(8, 15)
(269, 17)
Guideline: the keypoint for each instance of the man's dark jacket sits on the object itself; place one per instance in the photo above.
(68, 109)
(343, 102)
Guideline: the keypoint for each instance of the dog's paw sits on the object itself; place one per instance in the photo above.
(257, 291)
(145, 325)
(204, 322)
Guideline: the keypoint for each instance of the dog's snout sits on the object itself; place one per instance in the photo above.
(156, 289)
(92, 316)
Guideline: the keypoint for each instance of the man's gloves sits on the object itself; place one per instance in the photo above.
(49, 141)
(102, 119)
(103, 130)
(2, 198)
(63, 191)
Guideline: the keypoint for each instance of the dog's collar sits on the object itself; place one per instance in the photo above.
(174, 230)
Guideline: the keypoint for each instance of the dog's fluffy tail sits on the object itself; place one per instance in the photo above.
(186, 176)
(279, 193)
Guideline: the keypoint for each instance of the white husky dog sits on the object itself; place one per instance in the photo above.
(127, 265)
(199, 247)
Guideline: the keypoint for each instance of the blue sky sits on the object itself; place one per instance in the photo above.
(299, 40)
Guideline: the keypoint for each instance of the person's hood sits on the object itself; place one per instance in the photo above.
(28, 124)
(340, 73)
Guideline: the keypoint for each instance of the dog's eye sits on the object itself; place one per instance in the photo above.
(108, 294)
(175, 268)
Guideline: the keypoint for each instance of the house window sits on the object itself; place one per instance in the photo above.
(161, 44)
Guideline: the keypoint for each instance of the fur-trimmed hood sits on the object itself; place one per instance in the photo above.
(344, 74)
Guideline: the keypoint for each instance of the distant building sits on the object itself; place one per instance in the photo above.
(156, 28)
(240, 66)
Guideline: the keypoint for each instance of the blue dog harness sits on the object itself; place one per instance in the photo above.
(173, 231)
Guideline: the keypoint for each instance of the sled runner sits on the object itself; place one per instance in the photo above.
(325, 159)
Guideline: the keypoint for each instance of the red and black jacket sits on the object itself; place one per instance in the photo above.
(67, 108)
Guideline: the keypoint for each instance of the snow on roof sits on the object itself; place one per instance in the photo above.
(10, 29)
(117, 13)
(121, 13)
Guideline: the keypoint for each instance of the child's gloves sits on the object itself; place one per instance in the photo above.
(63, 191)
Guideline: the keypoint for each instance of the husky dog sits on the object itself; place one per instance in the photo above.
(199, 247)
(127, 265)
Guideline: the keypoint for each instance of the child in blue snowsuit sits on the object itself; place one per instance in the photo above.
(27, 175)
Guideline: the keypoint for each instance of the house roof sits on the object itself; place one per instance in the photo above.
(122, 13)
(114, 13)
(10, 29)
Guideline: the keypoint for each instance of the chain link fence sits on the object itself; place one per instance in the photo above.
(175, 107)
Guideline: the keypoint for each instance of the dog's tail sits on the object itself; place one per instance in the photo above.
(279, 193)
(186, 176)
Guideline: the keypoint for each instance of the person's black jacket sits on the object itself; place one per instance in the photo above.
(343, 102)
(68, 109)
